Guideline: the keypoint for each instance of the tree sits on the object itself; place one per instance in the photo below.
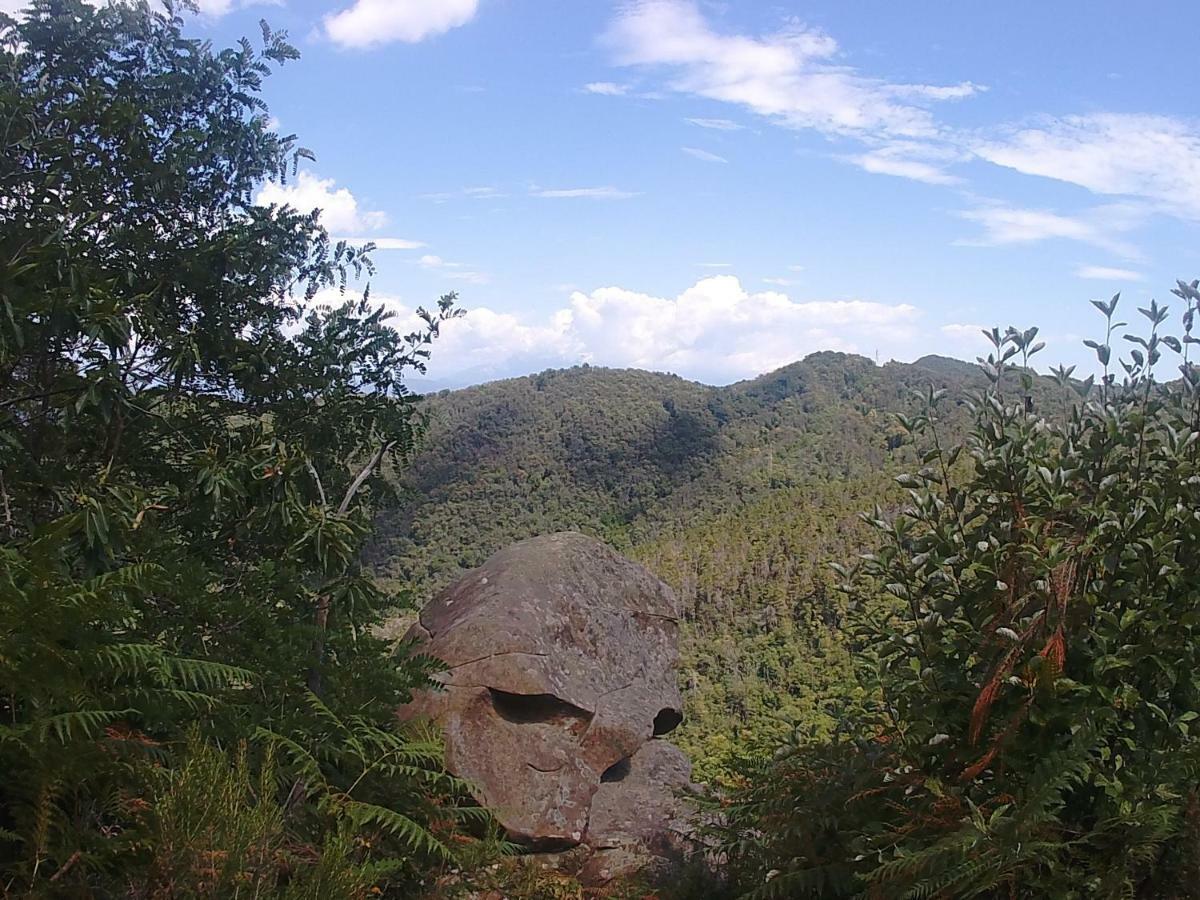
(1029, 637)
(190, 446)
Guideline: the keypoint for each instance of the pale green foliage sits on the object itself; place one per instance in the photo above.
(214, 827)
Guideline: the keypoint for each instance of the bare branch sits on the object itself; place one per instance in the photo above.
(363, 476)
(320, 487)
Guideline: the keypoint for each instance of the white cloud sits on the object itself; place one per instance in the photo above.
(703, 155)
(1155, 158)
(483, 192)
(384, 243)
(791, 75)
(781, 282)
(340, 210)
(369, 23)
(961, 331)
(910, 159)
(607, 88)
(594, 193)
(1108, 273)
(717, 124)
(1010, 225)
(714, 331)
(964, 339)
(456, 270)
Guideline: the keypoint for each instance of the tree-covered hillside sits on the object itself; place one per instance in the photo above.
(737, 496)
(626, 454)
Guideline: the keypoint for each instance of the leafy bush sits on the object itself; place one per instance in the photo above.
(190, 456)
(1028, 636)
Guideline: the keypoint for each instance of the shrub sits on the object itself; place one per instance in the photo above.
(1028, 634)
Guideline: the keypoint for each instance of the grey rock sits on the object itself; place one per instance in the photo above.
(561, 659)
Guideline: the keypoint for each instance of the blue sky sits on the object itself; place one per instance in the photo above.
(717, 189)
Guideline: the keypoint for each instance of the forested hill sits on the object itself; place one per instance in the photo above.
(738, 496)
(623, 453)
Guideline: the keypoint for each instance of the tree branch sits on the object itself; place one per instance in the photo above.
(362, 476)
(320, 487)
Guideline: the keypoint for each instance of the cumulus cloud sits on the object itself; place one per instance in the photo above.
(714, 331)
(791, 76)
(703, 155)
(340, 209)
(1011, 225)
(369, 23)
(1108, 273)
(341, 213)
(1154, 158)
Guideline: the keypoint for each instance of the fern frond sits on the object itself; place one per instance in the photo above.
(86, 723)
(414, 835)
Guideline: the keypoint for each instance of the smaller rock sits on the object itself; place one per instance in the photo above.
(640, 816)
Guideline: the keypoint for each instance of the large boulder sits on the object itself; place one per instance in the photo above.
(560, 684)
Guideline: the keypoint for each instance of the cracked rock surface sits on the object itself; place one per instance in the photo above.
(561, 660)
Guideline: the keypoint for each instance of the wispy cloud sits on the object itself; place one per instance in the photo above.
(606, 88)
(792, 76)
(606, 192)
(964, 338)
(717, 124)
(1100, 227)
(1108, 273)
(483, 192)
(456, 270)
(369, 23)
(703, 155)
(1153, 158)
(384, 243)
(910, 159)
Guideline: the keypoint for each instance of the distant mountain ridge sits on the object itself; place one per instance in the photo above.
(621, 453)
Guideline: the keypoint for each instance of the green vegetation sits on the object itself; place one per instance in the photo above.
(739, 497)
(992, 695)
(993, 692)
(190, 693)
(1027, 638)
